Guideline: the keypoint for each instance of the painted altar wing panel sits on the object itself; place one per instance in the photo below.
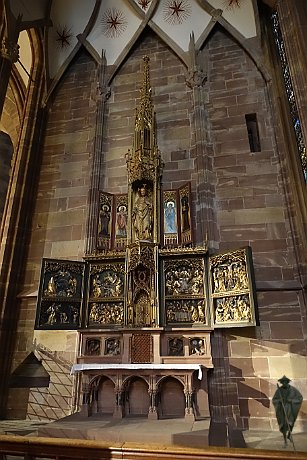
(231, 289)
(185, 202)
(104, 220)
(60, 298)
(170, 218)
(120, 222)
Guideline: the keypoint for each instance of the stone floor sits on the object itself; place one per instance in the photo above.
(178, 432)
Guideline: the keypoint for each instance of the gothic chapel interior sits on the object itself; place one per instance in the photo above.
(153, 208)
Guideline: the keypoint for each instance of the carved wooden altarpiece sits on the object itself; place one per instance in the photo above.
(147, 296)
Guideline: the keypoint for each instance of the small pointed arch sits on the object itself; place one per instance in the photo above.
(182, 55)
(218, 20)
(127, 380)
(137, 399)
(81, 42)
(164, 377)
(103, 392)
(171, 397)
(95, 381)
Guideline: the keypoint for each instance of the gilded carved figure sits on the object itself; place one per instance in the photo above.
(108, 284)
(106, 313)
(142, 215)
(185, 311)
(231, 277)
(232, 309)
(61, 284)
(184, 278)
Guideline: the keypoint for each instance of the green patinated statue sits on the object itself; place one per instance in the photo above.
(287, 401)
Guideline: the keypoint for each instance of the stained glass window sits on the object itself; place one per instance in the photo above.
(290, 93)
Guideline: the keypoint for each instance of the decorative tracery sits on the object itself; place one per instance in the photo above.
(296, 122)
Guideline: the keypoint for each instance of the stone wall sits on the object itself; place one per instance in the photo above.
(251, 209)
(59, 222)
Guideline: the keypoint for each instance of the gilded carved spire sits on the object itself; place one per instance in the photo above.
(144, 114)
(143, 162)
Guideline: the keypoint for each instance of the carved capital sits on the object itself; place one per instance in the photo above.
(10, 50)
(103, 92)
(196, 78)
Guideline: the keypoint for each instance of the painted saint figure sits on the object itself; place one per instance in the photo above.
(142, 215)
(287, 401)
(104, 220)
(170, 224)
(121, 222)
(185, 214)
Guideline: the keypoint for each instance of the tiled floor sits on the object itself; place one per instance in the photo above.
(164, 432)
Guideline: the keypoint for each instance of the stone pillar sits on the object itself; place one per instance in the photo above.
(9, 55)
(152, 413)
(119, 400)
(94, 404)
(292, 18)
(85, 406)
(17, 216)
(201, 148)
(293, 24)
(223, 394)
(189, 412)
(103, 93)
(6, 148)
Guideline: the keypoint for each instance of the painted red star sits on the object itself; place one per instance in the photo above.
(176, 11)
(176, 8)
(63, 36)
(114, 22)
(144, 3)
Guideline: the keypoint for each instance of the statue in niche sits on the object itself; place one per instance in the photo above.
(197, 347)
(175, 347)
(142, 215)
(142, 309)
(112, 347)
(92, 347)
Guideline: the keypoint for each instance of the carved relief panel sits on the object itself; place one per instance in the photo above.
(231, 289)
(184, 291)
(60, 295)
(106, 294)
